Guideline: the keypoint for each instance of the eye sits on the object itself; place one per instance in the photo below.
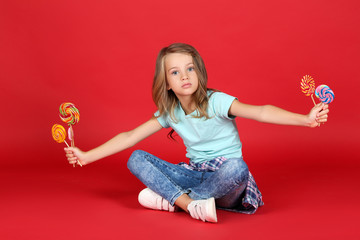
(175, 73)
(190, 69)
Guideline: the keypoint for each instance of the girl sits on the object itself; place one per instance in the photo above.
(216, 174)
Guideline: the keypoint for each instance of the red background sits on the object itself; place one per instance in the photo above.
(100, 55)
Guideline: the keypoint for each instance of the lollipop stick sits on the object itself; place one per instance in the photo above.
(73, 143)
(313, 99)
(72, 139)
(66, 143)
(72, 136)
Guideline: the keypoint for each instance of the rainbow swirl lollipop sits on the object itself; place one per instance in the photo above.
(59, 134)
(69, 113)
(325, 94)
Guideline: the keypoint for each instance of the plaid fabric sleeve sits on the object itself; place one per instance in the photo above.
(251, 198)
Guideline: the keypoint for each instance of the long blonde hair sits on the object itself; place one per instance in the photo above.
(166, 100)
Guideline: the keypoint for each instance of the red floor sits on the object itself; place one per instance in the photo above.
(100, 55)
(308, 199)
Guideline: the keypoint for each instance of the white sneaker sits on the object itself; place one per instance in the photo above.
(203, 209)
(152, 200)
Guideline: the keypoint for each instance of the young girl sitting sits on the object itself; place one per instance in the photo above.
(216, 175)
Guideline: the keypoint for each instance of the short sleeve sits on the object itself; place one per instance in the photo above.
(162, 119)
(221, 103)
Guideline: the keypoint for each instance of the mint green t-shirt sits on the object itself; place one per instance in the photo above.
(206, 139)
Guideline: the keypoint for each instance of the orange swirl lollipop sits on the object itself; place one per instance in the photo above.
(59, 134)
(308, 86)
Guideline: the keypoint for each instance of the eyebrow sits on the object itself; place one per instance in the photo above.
(177, 67)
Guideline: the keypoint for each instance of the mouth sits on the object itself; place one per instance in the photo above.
(186, 85)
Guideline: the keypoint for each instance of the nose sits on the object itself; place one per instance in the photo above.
(184, 76)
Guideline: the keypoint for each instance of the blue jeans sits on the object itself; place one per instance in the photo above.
(171, 181)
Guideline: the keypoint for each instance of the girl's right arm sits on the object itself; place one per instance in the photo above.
(117, 144)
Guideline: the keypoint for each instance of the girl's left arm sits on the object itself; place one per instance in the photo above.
(271, 114)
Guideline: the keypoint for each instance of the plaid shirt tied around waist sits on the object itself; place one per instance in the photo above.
(251, 197)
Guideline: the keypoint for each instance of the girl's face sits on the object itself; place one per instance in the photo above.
(180, 74)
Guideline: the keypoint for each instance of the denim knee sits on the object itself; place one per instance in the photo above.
(135, 160)
(238, 170)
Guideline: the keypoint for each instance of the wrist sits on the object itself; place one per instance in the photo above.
(307, 122)
(91, 156)
(310, 121)
(87, 158)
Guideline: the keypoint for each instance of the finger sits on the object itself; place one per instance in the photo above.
(68, 149)
(325, 111)
(319, 107)
(69, 152)
(322, 116)
(322, 113)
(319, 120)
(72, 159)
(324, 107)
(322, 120)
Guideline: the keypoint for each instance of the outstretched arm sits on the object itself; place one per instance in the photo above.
(117, 144)
(275, 115)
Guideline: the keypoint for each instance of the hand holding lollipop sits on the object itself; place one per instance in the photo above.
(323, 92)
(59, 134)
(70, 115)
